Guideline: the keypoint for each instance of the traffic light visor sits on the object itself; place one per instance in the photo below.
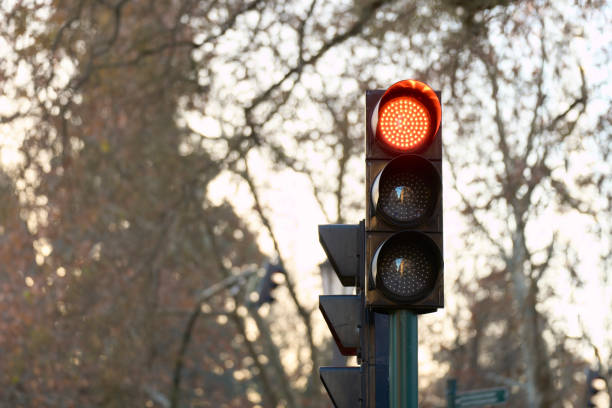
(406, 266)
(407, 117)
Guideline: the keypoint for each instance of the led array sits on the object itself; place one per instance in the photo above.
(406, 269)
(404, 123)
(406, 197)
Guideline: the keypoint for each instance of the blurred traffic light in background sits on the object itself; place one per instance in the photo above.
(404, 261)
(273, 277)
(595, 392)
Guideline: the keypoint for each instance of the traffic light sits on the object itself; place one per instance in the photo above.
(344, 314)
(268, 284)
(393, 257)
(403, 225)
(595, 385)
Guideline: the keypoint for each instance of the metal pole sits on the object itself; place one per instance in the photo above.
(403, 360)
(451, 392)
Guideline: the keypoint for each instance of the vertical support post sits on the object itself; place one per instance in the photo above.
(451, 392)
(382, 360)
(403, 360)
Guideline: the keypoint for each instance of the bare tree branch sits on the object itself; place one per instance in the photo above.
(304, 314)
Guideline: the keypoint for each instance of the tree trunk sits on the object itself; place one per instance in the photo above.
(538, 378)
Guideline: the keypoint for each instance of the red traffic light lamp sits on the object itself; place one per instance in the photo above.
(406, 117)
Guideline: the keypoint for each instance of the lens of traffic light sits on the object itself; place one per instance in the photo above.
(405, 124)
(406, 266)
(407, 117)
(407, 190)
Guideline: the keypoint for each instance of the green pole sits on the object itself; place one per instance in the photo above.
(403, 360)
(451, 393)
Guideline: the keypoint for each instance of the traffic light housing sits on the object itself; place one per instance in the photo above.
(403, 225)
(344, 314)
(595, 385)
(268, 284)
(394, 257)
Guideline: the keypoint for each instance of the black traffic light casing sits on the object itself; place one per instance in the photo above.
(423, 233)
(344, 314)
(267, 284)
(595, 383)
(343, 245)
(343, 384)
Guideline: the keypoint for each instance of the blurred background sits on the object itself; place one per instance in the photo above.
(161, 161)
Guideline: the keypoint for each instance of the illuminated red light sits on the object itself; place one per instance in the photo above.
(404, 123)
(407, 117)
